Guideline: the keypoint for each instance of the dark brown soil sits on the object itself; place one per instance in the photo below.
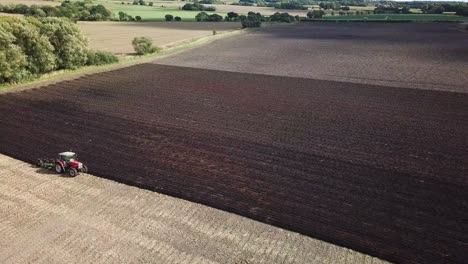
(376, 169)
(415, 55)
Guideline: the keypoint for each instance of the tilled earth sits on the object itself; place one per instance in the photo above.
(414, 55)
(377, 169)
(49, 219)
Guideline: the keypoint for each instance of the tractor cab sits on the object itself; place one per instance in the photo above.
(67, 156)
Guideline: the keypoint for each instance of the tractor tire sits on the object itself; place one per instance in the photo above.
(58, 168)
(72, 172)
(39, 163)
(84, 169)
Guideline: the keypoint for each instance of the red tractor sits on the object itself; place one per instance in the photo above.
(66, 163)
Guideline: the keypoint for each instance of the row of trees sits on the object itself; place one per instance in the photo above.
(197, 7)
(30, 47)
(300, 4)
(392, 10)
(252, 19)
(169, 17)
(460, 9)
(77, 10)
(204, 17)
(126, 17)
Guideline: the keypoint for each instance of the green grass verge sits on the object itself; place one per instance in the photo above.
(152, 13)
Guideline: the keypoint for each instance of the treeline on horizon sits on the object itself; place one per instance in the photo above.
(76, 10)
(426, 7)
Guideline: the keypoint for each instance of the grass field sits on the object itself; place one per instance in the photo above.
(29, 2)
(402, 17)
(152, 13)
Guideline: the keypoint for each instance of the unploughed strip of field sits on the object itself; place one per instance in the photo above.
(117, 37)
(377, 169)
(414, 55)
(45, 218)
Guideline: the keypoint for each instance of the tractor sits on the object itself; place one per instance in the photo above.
(65, 163)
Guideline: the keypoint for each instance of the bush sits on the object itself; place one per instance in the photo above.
(144, 45)
(232, 16)
(100, 58)
(282, 17)
(204, 17)
(290, 5)
(177, 18)
(316, 14)
(67, 40)
(138, 18)
(123, 16)
(251, 20)
(169, 17)
(197, 7)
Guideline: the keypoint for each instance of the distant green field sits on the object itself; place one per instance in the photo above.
(152, 13)
(402, 17)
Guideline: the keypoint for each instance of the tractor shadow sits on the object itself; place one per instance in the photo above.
(45, 171)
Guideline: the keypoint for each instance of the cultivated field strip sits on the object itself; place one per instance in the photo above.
(45, 218)
(414, 55)
(381, 170)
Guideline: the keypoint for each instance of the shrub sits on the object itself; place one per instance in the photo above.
(316, 14)
(67, 40)
(177, 18)
(215, 18)
(197, 7)
(144, 45)
(169, 17)
(100, 57)
(204, 17)
(138, 18)
(123, 16)
(291, 5)
(232, 16)
(282, 17)
(251, 20)
(150, 3)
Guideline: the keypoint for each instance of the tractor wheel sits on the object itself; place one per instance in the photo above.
(39, 163)
(58, 168)
(84, 169)
(72, 172)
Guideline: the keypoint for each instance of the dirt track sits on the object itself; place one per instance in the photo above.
(413, 55)
(45, 218)
(378, 169)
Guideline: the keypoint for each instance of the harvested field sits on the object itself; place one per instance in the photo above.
(413, 55)
(29, 2)
(380, 170)
(91, 220)
(117, 37)
(219, 8)
(263, 10)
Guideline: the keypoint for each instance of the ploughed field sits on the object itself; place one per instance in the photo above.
(381, 170)
(412, 55)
